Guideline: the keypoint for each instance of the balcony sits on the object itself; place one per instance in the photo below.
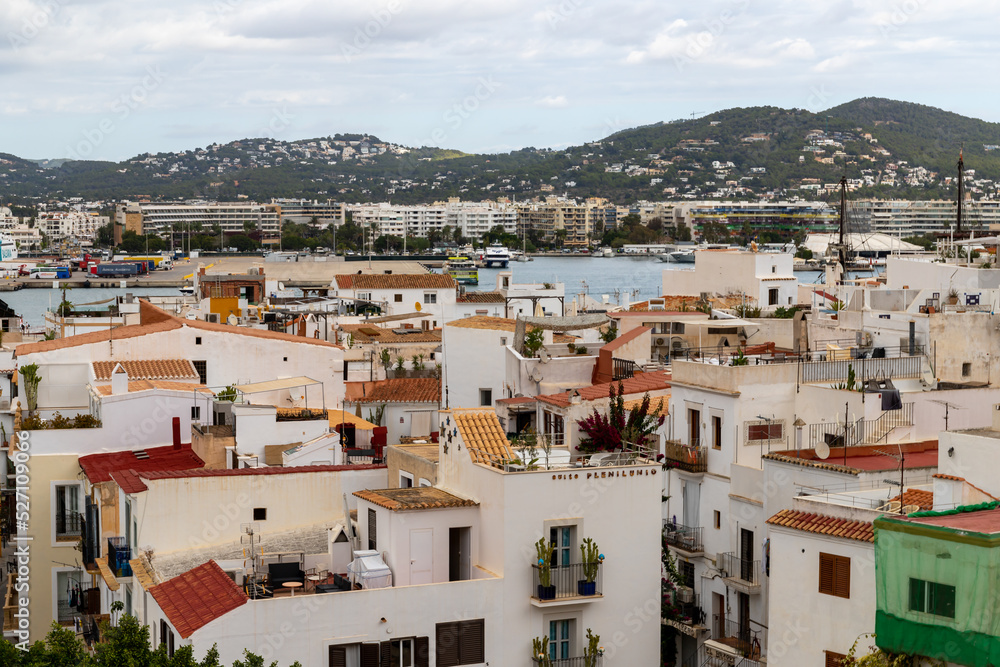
(686, 457)
(745, 641)
(687, 617)
(686, 539)
(595, 661)
(119, 555)
(740, 573)
(569, 585)
(69, 526)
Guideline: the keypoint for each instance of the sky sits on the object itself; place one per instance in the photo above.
(111, 79)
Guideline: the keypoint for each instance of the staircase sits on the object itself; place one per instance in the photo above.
(876, 431)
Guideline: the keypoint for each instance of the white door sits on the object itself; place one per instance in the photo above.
(421, 556)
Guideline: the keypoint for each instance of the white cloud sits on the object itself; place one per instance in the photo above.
(553, 102)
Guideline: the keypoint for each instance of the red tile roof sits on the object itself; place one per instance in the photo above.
(239, 472)
(404, 390)
(146, 385)
(637, 384)
(198, 597)
(862, 531)
(626, 338)
(370, 281)
(922, 499)
(148, 369)
(366, 333)
(415, 498)
(481, 297)
(99, 467)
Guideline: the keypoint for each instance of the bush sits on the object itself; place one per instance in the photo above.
(58, 421)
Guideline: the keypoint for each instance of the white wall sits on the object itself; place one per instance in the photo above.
(474, 359)
(145, 419)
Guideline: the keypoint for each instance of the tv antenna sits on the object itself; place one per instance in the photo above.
(947, 407)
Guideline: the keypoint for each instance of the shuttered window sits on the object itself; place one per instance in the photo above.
(460, 643)
(835, 575)
(338, 656)
(372, 532)
(834, 659)
(370, 655)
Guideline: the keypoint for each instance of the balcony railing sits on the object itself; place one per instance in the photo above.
(687, 538)
(686, 457)
(623, 369)
(741, 569)
(567, 581)
(119, 555)
(68, 524)
(741, 637)
(690, 612)
(596, 661)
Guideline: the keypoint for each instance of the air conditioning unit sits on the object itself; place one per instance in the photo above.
(685, 594)
(718, 564)
(660, 341)
(212, 317)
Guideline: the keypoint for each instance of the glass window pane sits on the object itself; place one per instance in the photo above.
(552, 631)
(916, 595)
(565, 630)
(407, 653)
(565, 537)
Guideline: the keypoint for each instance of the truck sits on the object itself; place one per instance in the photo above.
(115, 269)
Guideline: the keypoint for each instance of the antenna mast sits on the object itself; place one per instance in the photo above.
(961, 192)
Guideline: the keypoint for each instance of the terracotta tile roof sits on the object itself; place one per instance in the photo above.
(404, 390)
(516, 400)
(640, 383)
(371, 281)
(862, 531)
(484, 322)
(481, 297)
(154, 320)
(654, 403)
(99, 467)
(141, 572)
(107, 574)
(367, 333)
(146, 385)
(415, 498)
(198, 597)
(483, 436)
(951, 477)
(923, 499)
(148, 369)
(250, 472)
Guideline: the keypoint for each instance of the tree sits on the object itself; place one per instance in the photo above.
(105, 235)
(609, 432)
(561, 235)
(242, 243)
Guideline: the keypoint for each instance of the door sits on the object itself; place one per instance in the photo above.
(559, 639)
(421, 556)
(746, 555)
(718, 615)
(694, 427)
(459, 554)
(743, 611)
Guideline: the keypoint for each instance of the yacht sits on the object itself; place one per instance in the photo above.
(496, 255)
(463, 270)
(685, 256)
(8, 248)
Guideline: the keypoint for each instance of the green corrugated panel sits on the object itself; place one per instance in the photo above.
(936, 641)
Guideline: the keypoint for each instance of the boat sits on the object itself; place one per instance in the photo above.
(678, 257)
(187, 290)
(463, 270)
(518, 256)
(605, 252)
(496, 255)
(8, 248)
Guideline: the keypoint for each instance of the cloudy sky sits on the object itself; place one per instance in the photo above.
(109, 79)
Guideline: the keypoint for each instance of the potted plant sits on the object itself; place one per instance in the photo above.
(540, 651)
(836, 307)
(591, 558)
(952, 296)
(593, 649)
(546, 589)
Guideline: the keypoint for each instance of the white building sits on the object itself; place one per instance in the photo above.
(398, 293)
(766, 278)
(231, 217)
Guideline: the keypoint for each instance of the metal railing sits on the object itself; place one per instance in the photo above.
(864, 369)
(582, 661)
(683, 537)
(747, 571)
(119, 555)
(567, 581)
(741, 637)
(622, 369)
(690, 613)
(686, 457)
(861, 432)
(69, 523)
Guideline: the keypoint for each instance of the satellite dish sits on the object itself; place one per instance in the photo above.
(822, 451)
(232, 320)
(281, 286)
(417, 306)
(544, 357)
(535, 376)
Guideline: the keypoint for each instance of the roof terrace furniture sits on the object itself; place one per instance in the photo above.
(278, 574)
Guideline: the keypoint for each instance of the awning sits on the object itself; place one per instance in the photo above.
(107, 574)
(338, 417)
(276, 385)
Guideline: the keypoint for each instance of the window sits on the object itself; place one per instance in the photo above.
(772, 431)
(562, 539)
(163, 631)
(400, 653)
(364, 296)
(503, 341)
(68, 521)
(835, 575)
(772, 296)
(405, 480)
(486, 397)
(197, 340)
(932, 598)
(686, 570)
(167, 637)
(372, 532)
(201, 368)
(460, 643)
(559, 639)
(716, 432)
(195, 413)
(834, 659)
(717, 519)
(398, 298)
(260, 514)
(966, 369)
(430, 297)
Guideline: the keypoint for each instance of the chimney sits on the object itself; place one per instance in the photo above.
(177, 432)
(119, 380)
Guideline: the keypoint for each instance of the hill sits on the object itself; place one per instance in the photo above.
(884, 147)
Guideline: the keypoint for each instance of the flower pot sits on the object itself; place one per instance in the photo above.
(546, 592)
(584, 587)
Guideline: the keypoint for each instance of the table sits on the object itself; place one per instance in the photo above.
(292, 585)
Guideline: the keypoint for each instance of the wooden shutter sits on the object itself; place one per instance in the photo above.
(826, 573)
(370, 655)
(446, 643)
(472, 642)
(842, 577)
(421, 651)
(834, 659)
(386, 654)
(338, 656)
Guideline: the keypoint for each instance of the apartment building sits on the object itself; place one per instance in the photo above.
(304, 211)
(903, 218)
(759, 216)
(231, 217)
(69, 225)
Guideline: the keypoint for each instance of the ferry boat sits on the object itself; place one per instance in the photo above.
(8, 248)
(497, 255)
(463, 270)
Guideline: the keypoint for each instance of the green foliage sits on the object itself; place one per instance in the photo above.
(592, 650)
(748, 308)
(852, 383)
(544, 551)
(385, 359)
(877, 657)
(375, 416)
(400, 362)
(58, 421)
(783, 313)
(227, 394)
(804, 253)
(31, 379)
(533, 342)
(591, 558)
(609, 334)
(540, 651)
(739, 359)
